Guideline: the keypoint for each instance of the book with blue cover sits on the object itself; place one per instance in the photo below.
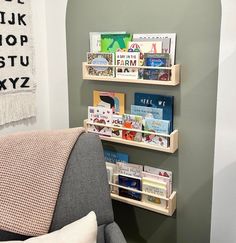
(114, 157)
(164, 102)
(156, 125)
(147, 112)
(131, 182)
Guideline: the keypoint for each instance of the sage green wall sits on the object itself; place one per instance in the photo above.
(197, 24)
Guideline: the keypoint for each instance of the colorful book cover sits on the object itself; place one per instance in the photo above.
(117, 121)
(132, 122)
(130, 169)
(147, 112)
(130, 182)
(164, 102)
(95, 40)
(156, 125)
(156, 60)
(127, 59)
(115, 42)
(160, 37)
(156, 140)
(112, 100)
(100, 59)
(100, 115)
(115, 157)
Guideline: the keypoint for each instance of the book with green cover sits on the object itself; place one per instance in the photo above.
(115, 42)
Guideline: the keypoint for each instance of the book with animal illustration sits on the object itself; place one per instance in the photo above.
(115, 42)
(112, 100)
(117, 121)
(127, 59)
(132, 122)
(99, 115)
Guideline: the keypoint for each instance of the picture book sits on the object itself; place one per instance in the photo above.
(112, 100)
(109, 173)
(115, 157)
(156, 60)
(130, 182)
(100, 115)
(127, 59)
(167, 46)
(156, 140)
(112, 176)
(100, 58)
(164, 102)
(115, 42)
(95, 40)
(117, 121)
(130, 169)
(156, 125)
(146, 112)
(132, 122)
(154, 187)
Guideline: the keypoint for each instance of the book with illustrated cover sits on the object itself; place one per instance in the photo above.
(167, 46)
(131, 182)
(164, 102)
(112, 100)
(156, 60)
(117, 121)
(95, 39)
(115, 42)
(157, 188)
(127, 59)
(156, 140)
(100, 59)
(133, 122)
(100, 115)
(130, 169)
(156, 125)
(115, 157)
(146, 112)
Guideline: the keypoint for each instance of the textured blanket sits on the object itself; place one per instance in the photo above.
(32, 165)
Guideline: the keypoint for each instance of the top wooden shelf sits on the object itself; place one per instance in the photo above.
(175, 75)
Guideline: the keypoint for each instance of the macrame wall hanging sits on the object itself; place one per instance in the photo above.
(17, 83)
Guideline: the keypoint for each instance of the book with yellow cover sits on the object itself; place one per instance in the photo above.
(110, 100)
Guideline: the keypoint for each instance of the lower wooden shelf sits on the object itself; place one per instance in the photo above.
(148, 206)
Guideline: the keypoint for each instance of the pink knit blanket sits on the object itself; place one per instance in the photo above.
(32, 165)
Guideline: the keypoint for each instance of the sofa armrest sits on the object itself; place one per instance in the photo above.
(113, 234)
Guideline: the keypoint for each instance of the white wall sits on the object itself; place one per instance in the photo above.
(51, 68)
(224, 182)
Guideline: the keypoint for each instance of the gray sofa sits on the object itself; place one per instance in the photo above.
(84, 188)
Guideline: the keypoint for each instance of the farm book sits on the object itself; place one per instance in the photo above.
(156, 60)
(146, 112)
(130, 182)
(167, 46)
(124, 59)
(132, 122)
(129, 169)
(100, 58)
(95, 40)
(115, 157)
(112, 100)
(164, 102)
(100, 115)
(115, 42)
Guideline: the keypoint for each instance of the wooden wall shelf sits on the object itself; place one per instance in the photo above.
(171, 149)
(175, 75)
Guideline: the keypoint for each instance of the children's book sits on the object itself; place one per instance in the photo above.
(167, 46)
(102, 116)
(156, 125)
(95, 40)
(156, 60)
(147, 112)
(112, 100)
(130, 169)
(115, 42)
(164, 102)
(127, 59)
(100, 59)
(156, 140)
(131, 182)
(115, 157)
(132, 122)
(117, 121)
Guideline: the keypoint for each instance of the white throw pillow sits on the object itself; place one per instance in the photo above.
(81, 231)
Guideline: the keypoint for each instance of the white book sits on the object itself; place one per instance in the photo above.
(129, 169)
